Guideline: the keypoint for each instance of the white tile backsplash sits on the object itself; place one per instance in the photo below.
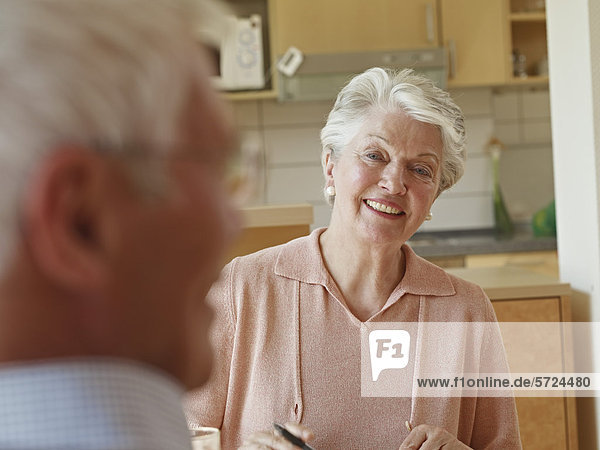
(537, 132)
(297, 184)
(509, 132)
(292, 145)
(536, 104)
(479, 132)
(526, 180)
(295, 113)
(459, 213)
(506, 105)
(473, 102)
(477, 177)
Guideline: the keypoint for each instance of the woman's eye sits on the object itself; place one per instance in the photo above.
(373, 156)
(423, 171)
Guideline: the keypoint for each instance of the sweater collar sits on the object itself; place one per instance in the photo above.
(301, 260)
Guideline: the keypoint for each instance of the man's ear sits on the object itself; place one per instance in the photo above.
(62, 218)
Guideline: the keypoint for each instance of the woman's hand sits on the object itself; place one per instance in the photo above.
(272, 440)
(428, 437)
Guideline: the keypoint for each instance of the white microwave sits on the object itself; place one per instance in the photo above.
(240, 59)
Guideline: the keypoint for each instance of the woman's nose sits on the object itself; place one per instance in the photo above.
(393, 180)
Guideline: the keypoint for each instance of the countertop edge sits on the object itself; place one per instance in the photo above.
(506, 283)
(277, 215)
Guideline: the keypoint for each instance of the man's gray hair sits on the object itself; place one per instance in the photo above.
(392, 91)
(103, 74)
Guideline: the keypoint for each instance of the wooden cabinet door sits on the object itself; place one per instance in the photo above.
(528, 310)
(331, 26)
(545, 423)
(476, 35)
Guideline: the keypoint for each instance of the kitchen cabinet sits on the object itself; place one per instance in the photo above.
(476, 36)
(479, 36)
(266, 226)
(521, 296)
(528, 38)
(545, 422)
(337, 26)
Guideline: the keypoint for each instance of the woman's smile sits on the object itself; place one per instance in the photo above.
(387, 210)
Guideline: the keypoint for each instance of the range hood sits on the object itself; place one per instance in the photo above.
(321, 76)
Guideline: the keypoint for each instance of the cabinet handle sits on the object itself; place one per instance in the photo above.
(452, 56)
(429, 23)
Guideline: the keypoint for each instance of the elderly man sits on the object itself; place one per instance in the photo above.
(114, 219)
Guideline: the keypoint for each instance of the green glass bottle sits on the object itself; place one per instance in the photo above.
(503, 224)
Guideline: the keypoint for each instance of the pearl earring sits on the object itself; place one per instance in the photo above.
(330, 191)
(429, 216)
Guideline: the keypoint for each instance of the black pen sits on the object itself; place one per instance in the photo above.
(291, 438)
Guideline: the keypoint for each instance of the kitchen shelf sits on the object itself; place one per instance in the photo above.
(277, 215)
(264, 8)
(530, 80)
(267, 94)
(528, 17)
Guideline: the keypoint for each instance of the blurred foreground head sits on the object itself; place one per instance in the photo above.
(113, 213)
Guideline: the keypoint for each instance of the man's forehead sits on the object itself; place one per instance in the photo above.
(208, 122)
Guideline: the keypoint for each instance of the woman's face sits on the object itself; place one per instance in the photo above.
(387, 178)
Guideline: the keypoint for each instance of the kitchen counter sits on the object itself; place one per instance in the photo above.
(269, 225)
(277, 215)
(473, 242)
(503, 283)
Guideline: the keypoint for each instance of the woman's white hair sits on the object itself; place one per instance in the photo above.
(392, 91)
(109, 75)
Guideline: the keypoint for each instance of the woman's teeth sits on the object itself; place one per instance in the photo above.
(383, 208)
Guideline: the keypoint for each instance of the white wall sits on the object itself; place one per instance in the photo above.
(574, 57)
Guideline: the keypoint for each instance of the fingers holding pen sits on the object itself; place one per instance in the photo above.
(276, 441)
(300, 431)
(266, 440)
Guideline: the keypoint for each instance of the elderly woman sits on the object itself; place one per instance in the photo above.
(290, 316)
